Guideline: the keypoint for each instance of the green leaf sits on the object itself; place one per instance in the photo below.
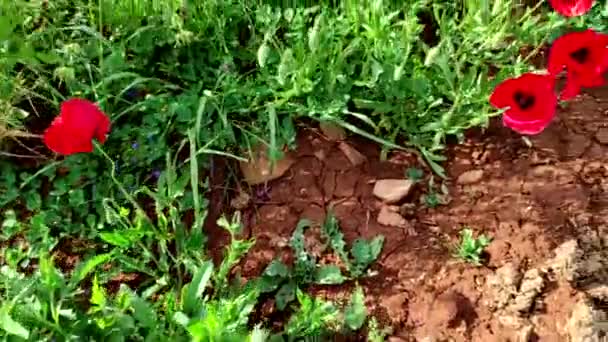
(12, 327)
(98, 296)
(197, 286)
(263, 53)
(356, 312)
(115, 238)
(329, 275)
(84, 268)
(276, 269)
(285, 295)
(365, 252)
(143, 312)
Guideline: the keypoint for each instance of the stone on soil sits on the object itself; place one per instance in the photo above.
(531, 286)
(598, 291)
(389, 216)
(502, 285)
(355, 157)
(470, 177)
(260, 169)
(392, 190)
(585, 323)
(564, 263)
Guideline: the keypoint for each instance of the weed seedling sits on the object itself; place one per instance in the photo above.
(414, 174)
(470, 249)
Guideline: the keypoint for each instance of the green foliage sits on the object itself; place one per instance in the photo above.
(470, 249)
(414, 174)
(363, 252)
(287, 281)
(356, 312)
(183, 80)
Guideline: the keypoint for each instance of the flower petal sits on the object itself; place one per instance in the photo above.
(564, 51)
(525, 127)
(571, 90)
(572, 8)
(79, 122)
(538, 114)
(55, 139)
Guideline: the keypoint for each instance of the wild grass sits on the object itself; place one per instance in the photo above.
(182, 80)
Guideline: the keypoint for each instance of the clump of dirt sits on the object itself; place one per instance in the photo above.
(545, 206)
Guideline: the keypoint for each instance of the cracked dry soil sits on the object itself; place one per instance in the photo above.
(545, 208)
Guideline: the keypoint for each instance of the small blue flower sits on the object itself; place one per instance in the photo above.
(134, 145)
(156, 174)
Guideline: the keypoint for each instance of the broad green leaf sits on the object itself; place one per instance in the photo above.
(197, 286)
(356, 312)
(8, 324)
(143, 312)
(115, 238)
(329, 275)
(285, 295)
(98, 296)
(276, 269)
(263, 52)
(84, 268)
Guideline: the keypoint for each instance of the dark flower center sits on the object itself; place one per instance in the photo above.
(581, 55)
(523, 100)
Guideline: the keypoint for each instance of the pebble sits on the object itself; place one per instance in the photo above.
(470, 177)
(355, 157)
(388, 217)
(392, 190)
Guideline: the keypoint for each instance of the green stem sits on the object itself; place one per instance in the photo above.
(118, 184)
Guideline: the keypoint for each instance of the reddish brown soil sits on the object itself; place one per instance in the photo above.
(529, 200)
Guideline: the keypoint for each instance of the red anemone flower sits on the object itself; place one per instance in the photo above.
(584, 55)
(74, 129)
(531, 102)
(571, 8)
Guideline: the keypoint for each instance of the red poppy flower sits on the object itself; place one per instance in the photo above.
(74, 129)
(585, 57)
(571, 8)
(531, 102)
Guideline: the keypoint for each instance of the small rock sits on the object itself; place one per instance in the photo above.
(470, 177)
(602, 135)
(598, 291)
(390, 217)
(502, 285)
(584, 324)
(260, 169)
(355, 157)
(565, 262)
(531, 286)
(392, 190)
(332, 131)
